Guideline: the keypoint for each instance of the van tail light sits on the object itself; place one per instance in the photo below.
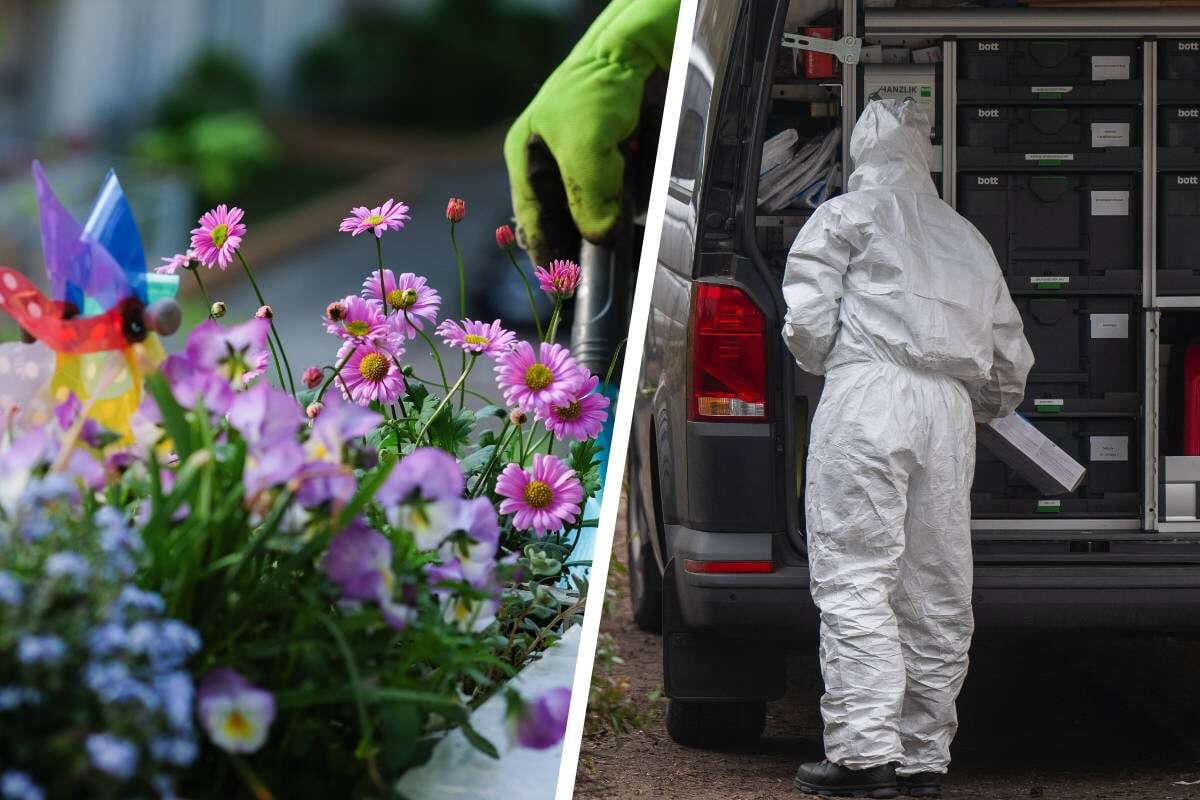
(729, 356)
(727, 567)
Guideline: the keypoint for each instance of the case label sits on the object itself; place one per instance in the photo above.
(1109, 448)
(1110, 326)
(1110, 203)
(1110, 68)
(1049, 156)
(1049, 281)
(1110, 134)
(1048, 405)
(1049, 506)
(1050, 89)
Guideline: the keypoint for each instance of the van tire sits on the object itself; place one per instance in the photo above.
(715, 725)
(645, 581)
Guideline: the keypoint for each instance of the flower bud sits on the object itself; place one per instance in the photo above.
(518, 417)
(505, 237)
(407, 370)
(456, 209)
(336, 311)
(264, 312)
(217, 310)
(314, 410)
(312, 377)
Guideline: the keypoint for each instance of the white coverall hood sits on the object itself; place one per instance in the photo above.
(890, 146)
(899, 301)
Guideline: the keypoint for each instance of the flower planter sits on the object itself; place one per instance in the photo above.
(457, 770)
(225, 575)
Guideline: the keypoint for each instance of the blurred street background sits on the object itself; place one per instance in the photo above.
(294, 111)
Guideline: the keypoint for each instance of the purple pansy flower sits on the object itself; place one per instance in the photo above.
(238, 354)
(235, 714)
(359, 561)
(323, 475)
(268, 420)
(541, 723)
(428, 472)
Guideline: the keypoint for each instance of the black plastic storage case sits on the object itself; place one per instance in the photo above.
(1179, 135)
(1050, 70)
(1086, 354)
(1178, 70)
(1179, 233)
(1108, 448)
(1068, 232)
(1064, 137)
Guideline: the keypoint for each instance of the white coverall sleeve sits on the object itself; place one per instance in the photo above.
(812, 289)
(1011, 361)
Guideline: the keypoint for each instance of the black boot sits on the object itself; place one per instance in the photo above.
(830, 780)
(922, 784)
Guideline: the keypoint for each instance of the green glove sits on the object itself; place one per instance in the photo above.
(583, 113)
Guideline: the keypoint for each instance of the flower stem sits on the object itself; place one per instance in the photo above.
(501, 442)
(472, 392)
(462, 282)
(336, 372)
(274, 332)
(537, 318)
(208, 300)
(382, 289)
(526, 447)
(552, 328)
(462, 379)
(432, 351)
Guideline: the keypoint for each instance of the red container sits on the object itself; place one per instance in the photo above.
(818, 65)
(1191, 401)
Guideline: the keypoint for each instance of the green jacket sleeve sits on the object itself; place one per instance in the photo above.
(587, 107)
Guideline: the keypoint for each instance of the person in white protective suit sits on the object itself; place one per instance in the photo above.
(900, 303)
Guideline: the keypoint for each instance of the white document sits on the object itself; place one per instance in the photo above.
(1110, 134)
(1031, 453)
(1110, 68)
(1110, 203)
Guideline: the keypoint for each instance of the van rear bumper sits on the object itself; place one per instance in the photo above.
(778, 606)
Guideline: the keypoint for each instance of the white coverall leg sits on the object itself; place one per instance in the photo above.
(890, 554)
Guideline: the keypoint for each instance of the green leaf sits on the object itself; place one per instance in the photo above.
(452, 431)
(400, 730)
(174, 420)
(490, 411)
(477, 461)
(478, 741)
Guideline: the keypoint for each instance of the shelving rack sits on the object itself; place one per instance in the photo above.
(1149, 28)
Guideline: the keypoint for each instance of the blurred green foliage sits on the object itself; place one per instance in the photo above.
(217, 151)
(454, 66)
(209, 127)
(214, 83)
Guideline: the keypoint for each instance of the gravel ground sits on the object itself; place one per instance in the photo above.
(1069, 718)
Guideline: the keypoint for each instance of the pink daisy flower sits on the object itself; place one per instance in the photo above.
(559, 281)
(411, 301)
(541, 499)
(175, 263)
(532, 381)
(487, 338)
(360, 321)
(369, 375)
(390, 216)
(580, 419)
(219, 236)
